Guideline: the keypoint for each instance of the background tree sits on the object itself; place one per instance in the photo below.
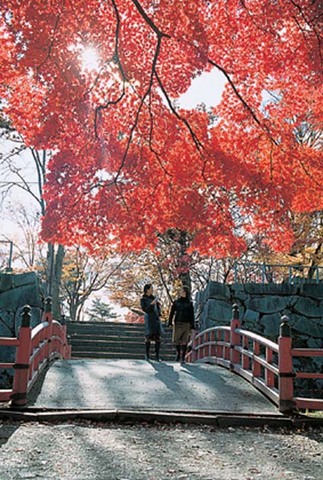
(101, 311)
(28, 252)
(23, 169)
(82, 276)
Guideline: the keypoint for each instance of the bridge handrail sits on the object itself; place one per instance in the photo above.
(265, 364)
(35, 348)
(258, 338)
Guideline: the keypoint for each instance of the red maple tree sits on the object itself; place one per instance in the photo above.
(130, 164)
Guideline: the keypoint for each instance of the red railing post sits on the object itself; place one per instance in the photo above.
(48, 317)
(193, 351)
(65, 348)
(212, 345)
(269, 376)
(285, 368)
(21, 366)
(234, 337)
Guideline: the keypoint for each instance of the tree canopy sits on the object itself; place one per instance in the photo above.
(130, 163)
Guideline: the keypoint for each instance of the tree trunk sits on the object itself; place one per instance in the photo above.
(315, 261)
(185, 276)
(54, 275)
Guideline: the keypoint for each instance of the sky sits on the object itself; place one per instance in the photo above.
(207, 88)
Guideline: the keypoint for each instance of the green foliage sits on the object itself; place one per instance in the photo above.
(101, 311)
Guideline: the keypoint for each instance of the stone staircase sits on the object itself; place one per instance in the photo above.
(115, 340)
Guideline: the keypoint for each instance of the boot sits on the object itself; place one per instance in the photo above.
(157, 348)
(184, 348)
(178, 356)
(147, 350)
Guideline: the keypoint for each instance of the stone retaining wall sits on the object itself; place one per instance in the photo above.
(261, 307)
(15, 292)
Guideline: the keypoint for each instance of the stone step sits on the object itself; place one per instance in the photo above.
(108, 330)
(99, 342)
(122, 347)
(113, 340)
(122, 355)
(115, 337)
(105, 325)
(104, 329)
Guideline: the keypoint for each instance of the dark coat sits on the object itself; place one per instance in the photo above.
(183, 311)
(152, 313)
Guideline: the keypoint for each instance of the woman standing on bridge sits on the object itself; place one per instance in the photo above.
(151, 306)
(183, 311)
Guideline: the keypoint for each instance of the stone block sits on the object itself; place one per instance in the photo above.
(309, 327)
(282, 289)
(28, 278)
(250, 316)
(217, 290)
(268, 304)
(218, 310)
(6, 282)
(315, 343)
(308, 307)
(238, 292)
(203, 319)
(18, 297)
(271, 324)
(314, 290)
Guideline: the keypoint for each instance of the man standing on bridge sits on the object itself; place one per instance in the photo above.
(183, 311)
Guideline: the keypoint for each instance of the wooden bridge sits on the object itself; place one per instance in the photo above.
(253, 364)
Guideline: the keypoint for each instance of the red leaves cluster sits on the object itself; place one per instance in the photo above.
(130, 164)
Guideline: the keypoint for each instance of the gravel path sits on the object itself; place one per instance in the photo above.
(85, 451)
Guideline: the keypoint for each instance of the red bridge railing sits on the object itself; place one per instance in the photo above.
(35, 349)
(265, 364)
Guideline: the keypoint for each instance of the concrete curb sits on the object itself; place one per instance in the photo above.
(217, 419)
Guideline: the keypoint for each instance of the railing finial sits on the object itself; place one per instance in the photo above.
(48, 304)
(235, 311)
(26, 316)
(285, 330)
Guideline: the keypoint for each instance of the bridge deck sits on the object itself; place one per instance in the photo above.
(137, 384)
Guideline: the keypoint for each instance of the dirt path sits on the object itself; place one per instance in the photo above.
(84, 451)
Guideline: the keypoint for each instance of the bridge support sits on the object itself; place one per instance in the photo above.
(21, 366)
(234, 337)
(285, 367)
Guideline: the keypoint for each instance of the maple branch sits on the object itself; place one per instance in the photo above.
(234, 88)
(259, 27)
(117, 61)
(148, 91)
(310, 24)
(51, 44)
(157, 155)
(197, 142)
(149, 21)
(160, 35)
(242, 100)
(41, 173)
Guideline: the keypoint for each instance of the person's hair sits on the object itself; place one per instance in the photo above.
(147, 287)
(187, 291)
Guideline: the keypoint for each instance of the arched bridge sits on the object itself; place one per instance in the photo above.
(199, 385)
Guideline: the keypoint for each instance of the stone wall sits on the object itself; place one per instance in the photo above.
(15, 292)
(261, 307)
